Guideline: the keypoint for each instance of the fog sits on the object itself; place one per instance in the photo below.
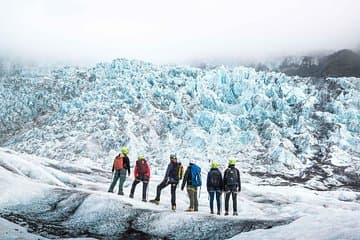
(89, 31)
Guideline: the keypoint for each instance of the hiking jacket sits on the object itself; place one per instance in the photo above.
(172, 173)
(126, 164)
(211, 187)
(145, 175)
(238, 184)
(187, 177)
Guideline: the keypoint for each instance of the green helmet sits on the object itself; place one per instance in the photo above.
(214, 165)
(140, 156)
(125, 150)
(232, 162)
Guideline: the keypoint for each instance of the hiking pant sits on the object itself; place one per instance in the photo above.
(136, 182)
(119, 174)
(218, 198)
(192, 192)
(164, 184)
(233, 192)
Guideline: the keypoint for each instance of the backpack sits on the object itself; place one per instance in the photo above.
(232, 177)
(141, 167)
(195, 176)
(119, 162)
(215, 178)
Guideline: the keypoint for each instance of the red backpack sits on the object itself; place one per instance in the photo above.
(119, 162)
(141, 167)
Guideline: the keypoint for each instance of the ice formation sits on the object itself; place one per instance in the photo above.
(300, 129)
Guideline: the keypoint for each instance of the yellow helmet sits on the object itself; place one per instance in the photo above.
(125, 150)
(140, 157)
(214, 165)
(232, 162)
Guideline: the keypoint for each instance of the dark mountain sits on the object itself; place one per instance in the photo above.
(344, 63)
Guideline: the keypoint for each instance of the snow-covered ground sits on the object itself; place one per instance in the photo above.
(51, 200)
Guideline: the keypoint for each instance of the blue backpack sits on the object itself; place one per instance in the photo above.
(195, 176)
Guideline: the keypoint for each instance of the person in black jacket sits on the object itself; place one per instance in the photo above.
(173, 174)
(191, 189)
(214, 186)
(232, 186)
(121, 166)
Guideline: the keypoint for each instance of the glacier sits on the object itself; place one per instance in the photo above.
(61, 126)
(273, 124)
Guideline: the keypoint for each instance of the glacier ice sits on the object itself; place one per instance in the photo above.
(272, 123)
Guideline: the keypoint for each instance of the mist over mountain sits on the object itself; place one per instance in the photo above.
(343, 63)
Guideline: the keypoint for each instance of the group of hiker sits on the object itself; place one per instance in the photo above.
(216, 184)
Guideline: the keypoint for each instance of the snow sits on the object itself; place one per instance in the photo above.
(317, 212)
(11, 231)
(332, 225)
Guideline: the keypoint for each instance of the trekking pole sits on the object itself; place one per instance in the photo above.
(147, 190)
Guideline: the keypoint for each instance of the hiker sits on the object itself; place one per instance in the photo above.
(142, 174)
(232, 186)
(214, 185)
(192, 178)
(173, 174)
(120, 166)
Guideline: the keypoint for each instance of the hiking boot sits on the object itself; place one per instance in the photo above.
(120, 193)
(155, 201)
(173, 207)
(218, 213)
(144, 200)
(235, 213)
(211, 212)
(196, 210)
(131, 196)
(226, 213)
(189, 210)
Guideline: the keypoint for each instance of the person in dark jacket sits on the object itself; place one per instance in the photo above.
(120, 166)
(191, 189)
(232, 186)
(214, 185)
(142, 174)
(173, 174)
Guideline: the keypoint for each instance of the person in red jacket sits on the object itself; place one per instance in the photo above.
(142, 174)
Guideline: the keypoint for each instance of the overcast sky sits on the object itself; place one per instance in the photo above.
(88, 31)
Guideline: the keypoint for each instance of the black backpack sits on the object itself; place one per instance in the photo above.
(215, 178)
(232, 177)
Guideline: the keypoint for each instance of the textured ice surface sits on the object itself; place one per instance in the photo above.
(80, 207)
(271, 123)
